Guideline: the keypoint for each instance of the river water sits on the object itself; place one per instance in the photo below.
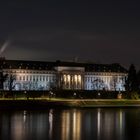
(71, 124)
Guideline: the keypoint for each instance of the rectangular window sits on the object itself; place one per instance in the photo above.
(30, 78)
(36, 78)
(43, 78)
(20, 78)
(27, 78)
(50, 78)
(46, 78)
(33, 78)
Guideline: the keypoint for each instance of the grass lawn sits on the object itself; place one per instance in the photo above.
(79, 102)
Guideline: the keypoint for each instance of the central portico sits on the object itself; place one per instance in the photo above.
(71, 77)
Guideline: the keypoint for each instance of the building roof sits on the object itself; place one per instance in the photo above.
(31, 65)
(41, 65)
(92, 67)
(105, 68)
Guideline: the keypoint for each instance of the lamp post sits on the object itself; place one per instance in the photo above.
(50, 94)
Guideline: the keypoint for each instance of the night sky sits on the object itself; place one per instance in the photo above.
(92, 31)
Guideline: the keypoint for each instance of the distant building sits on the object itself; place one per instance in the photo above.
(35, 75)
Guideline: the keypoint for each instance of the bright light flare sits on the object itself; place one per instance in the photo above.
(4, 46)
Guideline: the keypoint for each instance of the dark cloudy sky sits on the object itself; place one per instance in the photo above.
(97, 31)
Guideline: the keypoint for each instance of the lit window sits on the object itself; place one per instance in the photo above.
(75, 78)
(68, 78)
(64, 77)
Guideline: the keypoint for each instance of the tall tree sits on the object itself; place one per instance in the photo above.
(3, 78)
(132, 81)
(11, 80)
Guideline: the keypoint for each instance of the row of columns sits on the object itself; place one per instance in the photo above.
(72, 81)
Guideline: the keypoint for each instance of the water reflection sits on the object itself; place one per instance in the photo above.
(70, 124)
(76, 125)
(27, 126)
(50, 123)
(65, 125)
(98, 123)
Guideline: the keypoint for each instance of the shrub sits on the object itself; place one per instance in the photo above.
(134, 95)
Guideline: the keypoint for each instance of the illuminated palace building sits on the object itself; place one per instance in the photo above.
(35, 75)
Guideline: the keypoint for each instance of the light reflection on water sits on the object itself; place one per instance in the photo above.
(71, 124)
(98, 123)
(50, 123)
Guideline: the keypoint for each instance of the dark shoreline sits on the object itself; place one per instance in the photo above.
(37, 104)
(27, 104)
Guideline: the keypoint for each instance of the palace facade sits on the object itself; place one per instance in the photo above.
(36, 75)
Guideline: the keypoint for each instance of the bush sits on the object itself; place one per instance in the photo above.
(134, 95)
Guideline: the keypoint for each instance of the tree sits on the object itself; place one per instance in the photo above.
(98, 84)
(113, 83)
(132, 81)
(3, 78)
(12, 78)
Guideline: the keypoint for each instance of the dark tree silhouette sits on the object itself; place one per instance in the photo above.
(3, 78)
(11, 80)
(132, 81)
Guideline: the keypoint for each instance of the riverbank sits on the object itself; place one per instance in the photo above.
(41, 103)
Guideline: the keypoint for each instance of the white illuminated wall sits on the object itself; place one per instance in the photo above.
(105, 81)
(45, 80)
(31, 79)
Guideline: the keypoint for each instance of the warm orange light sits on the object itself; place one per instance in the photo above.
(79, 78)
(68, 78)
(75, 78)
